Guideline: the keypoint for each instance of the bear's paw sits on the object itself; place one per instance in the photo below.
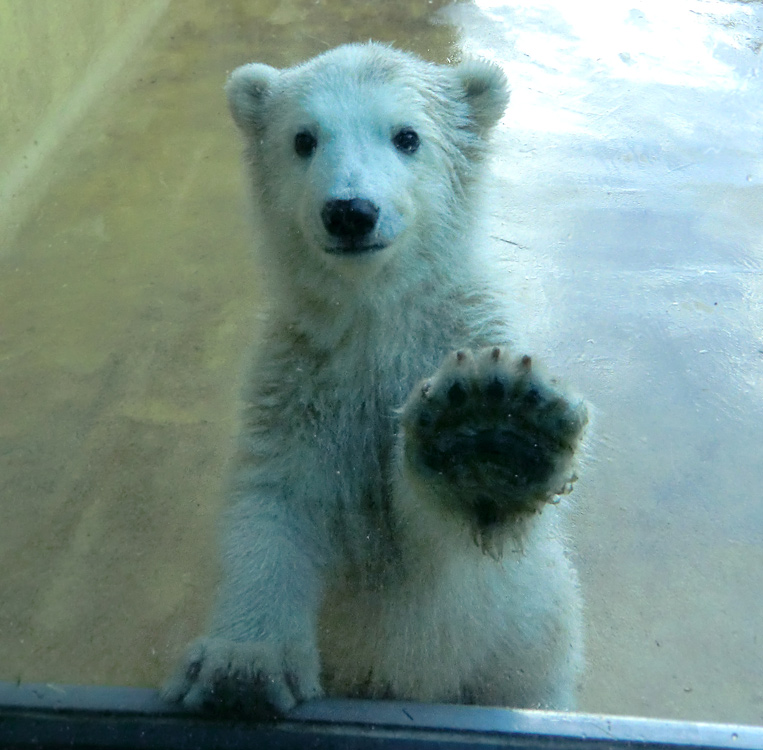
(245, 677)
(494, 438)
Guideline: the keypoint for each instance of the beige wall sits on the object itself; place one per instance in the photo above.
(55, 59)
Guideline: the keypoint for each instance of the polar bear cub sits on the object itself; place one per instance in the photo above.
(392, 530)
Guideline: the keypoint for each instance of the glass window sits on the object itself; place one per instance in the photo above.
(624, 193)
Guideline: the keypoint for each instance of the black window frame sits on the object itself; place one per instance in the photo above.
(63, 716)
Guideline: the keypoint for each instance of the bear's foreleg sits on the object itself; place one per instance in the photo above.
(262, 651)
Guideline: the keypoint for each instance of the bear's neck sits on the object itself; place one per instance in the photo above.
(415, 293)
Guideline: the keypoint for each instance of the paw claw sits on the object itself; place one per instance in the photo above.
(489, 541)
(526, 362)
(566, 488)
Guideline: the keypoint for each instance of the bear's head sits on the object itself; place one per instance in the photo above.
(365, 150)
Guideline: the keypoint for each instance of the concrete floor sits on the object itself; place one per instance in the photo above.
(629, 201)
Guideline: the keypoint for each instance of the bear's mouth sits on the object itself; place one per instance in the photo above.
(349, 247)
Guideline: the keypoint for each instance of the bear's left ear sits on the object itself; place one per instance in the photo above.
(486, 91)
(248, 89)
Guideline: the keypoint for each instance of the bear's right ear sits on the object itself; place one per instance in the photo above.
(248, 88)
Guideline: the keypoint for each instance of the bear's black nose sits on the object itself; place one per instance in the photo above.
(349, 219)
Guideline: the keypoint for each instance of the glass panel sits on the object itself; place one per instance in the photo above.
(625, 193)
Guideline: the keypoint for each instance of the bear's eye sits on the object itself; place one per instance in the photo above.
(305, 143)
(406, 140)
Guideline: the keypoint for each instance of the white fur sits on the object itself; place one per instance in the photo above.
(344, 573)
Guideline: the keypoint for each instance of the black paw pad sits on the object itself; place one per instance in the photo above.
(457, 394)
(533, 396)
(495, 390)
(487, 512)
